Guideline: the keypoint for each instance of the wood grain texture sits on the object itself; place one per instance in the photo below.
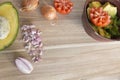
(69, 53)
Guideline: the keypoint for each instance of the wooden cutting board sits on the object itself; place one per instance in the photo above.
(69, 53)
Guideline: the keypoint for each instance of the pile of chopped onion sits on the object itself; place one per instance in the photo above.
(33, 42)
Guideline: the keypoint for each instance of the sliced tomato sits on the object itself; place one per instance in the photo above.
(63, 6)
(99, 17)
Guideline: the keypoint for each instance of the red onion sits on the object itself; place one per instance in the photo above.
(33, 41)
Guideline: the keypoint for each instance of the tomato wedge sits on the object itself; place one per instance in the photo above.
(99, 17)
(63, 6)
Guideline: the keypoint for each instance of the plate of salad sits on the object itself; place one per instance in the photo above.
(101, 19)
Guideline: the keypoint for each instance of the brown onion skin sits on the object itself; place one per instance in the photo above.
(29, 5)
(48, 12)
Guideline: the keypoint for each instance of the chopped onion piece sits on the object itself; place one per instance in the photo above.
(33, 41)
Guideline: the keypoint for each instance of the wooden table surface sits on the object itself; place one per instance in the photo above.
(69, 53)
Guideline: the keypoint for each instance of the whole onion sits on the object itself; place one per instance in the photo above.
(48, 12)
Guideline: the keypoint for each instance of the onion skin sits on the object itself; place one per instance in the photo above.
(29, 5)
(48, 12)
